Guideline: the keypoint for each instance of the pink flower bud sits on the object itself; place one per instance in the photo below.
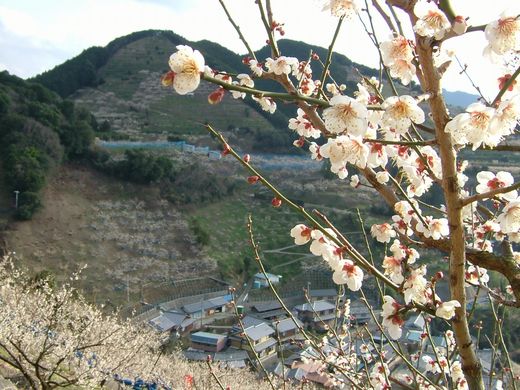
(226, 150)
(276, 202)
(216, 96)
(252, 179)
(246, 158)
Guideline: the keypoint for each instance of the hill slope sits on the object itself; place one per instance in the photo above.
(120, 85)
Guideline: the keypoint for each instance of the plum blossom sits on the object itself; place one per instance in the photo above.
(255, 66)
(282, 65)
(393, 269)
(488, 181)
(344, 149)
(346, 272)
(431, 22)
(435, 229)
(314, 148)
(244, 80)
(402, 252)
(382, 233)
(446, 310)
(403, 70)
(354, 181)
(301, 234)
(400, 112)
(506, 118)
(345, 8)
(415, 286)
(346, 115)
(398, 48)
(267, 103)
(392, 320)
(509, 219)
(476, 275)
(473, 126)
(434, 366)
(382, 177)
(503, 35)
(303, 126)
(459, 26)
(187, 64)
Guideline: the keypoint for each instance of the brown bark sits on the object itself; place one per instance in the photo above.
(431, 84)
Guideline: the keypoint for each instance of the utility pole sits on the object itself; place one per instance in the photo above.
(16, 199)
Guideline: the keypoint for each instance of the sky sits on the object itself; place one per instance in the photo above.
(36, 35)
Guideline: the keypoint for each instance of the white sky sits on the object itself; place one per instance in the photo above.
(36, 35)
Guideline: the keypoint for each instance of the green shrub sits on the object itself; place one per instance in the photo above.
(28, 204)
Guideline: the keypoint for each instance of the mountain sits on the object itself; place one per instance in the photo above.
(459, 98)
(120, 84)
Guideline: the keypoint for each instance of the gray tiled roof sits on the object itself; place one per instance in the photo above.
(206, 338)
(167, 320)
(317, 306)
(205, 305)
(266, 306)
(329, 292)
(286, 324)
(258, 331)
(264, 345)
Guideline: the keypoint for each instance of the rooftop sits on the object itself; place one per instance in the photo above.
(315, 306)
(207, 304)
(206, 337)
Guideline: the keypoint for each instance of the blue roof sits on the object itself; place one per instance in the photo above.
(206, 337)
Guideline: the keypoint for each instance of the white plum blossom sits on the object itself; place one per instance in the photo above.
(344, 149)
(187, 64)
(446, 310)
(382, 233)
(314, 148)
(434, 366)
(400, 112)
(392, 320)
(303, 126)
(382, 177)
(403, 70)
(503, 35)
(345, 8)
(431, 22)
(346, 115)
(282, 65)
(378, 156)
(346, 272)
(398, 48)
(506, 118)
(473, 126)
(476, 275)
(393, 268)
(401, 226)
(436, 228)
(301, 234)
(268, 104)
(488, 181)
(402, 252)
(457, 376)
(509, 219)
(354, 181)
(244, 80)
(415, 286)
(256, 67)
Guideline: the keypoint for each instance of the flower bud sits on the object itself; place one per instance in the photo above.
(276, 202)
(226, 150)
(252, 179)
(246, 158)
(216, 96)
(167, 79)
(459, 25)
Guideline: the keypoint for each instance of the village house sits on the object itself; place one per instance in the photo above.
(208, 307)
(287, 329)
(173, 322)
(205, 341)
(318, 315)
(268, 310)
(259, 335)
